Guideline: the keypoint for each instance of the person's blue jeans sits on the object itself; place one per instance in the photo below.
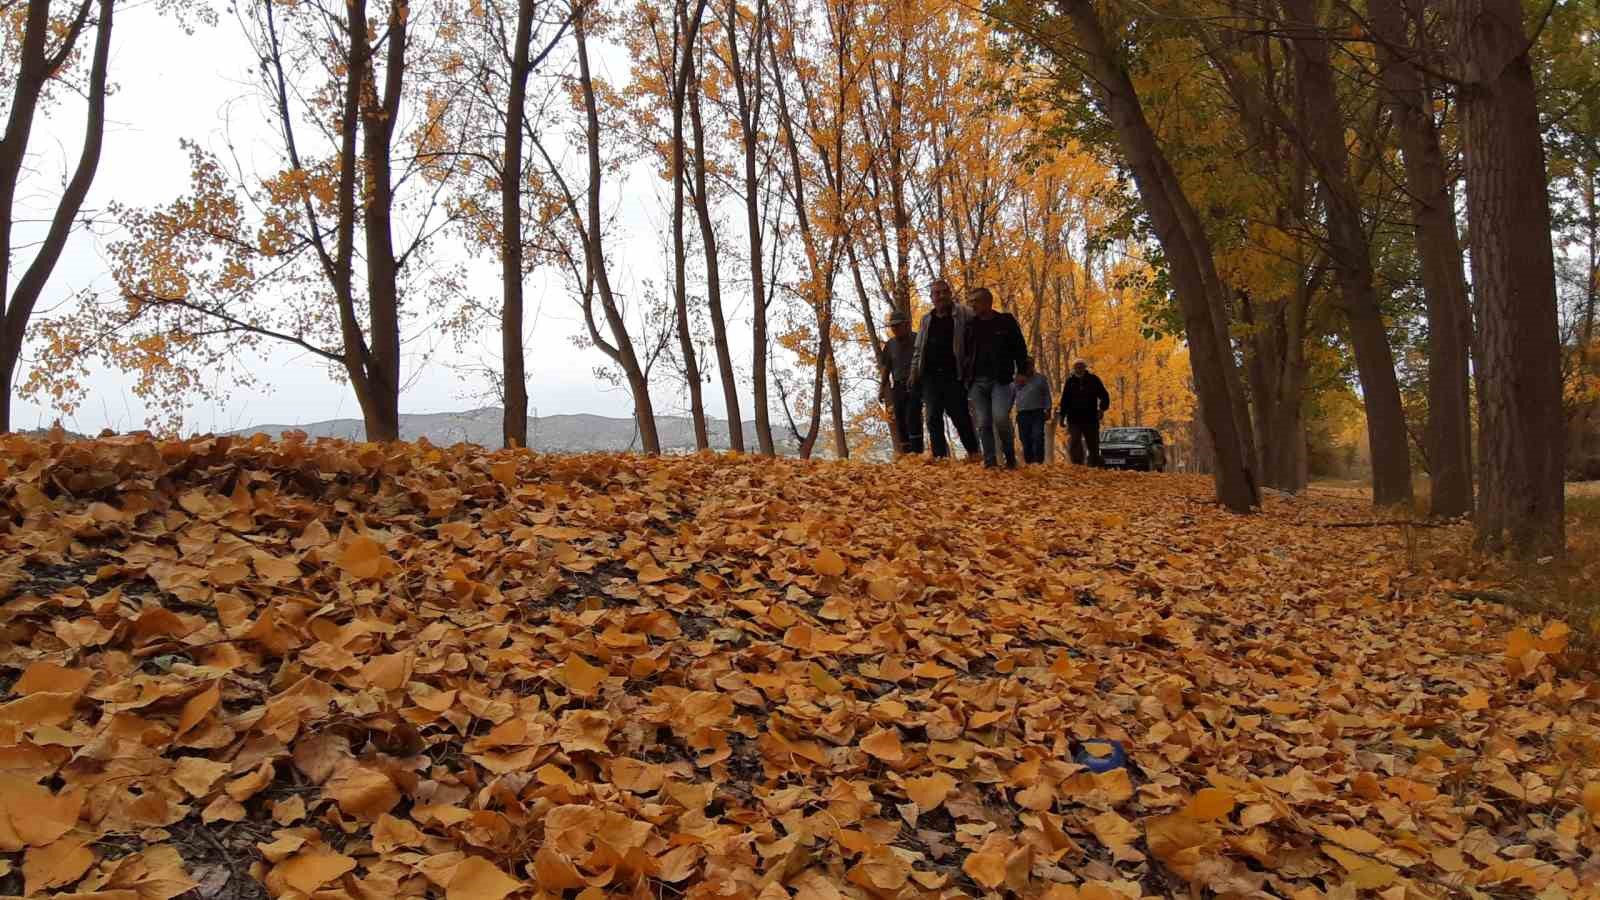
(1030, 428)
(991, 413)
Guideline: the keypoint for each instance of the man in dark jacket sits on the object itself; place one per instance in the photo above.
(996, 362)
(936, 372)
(1084, 400)
(894, 385)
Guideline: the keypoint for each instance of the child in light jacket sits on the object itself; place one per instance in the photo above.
(1033, 406)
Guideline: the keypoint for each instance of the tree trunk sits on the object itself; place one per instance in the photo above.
(380, 111)
(594, 249)
(708, 240)
(1351, 254)
(1513, 276)
(749, 106)
(35, 69)
(514, 422)
(822, 267)
(1449, 438)
(841, 441)
(1188, 255)
(684, 26)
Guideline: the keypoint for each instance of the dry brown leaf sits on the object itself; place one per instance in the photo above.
(930, 792)
(479, 879)
(49, 678)
(32, 816)
(198, 775)
(197, 708)
(363, 792)
(987, 866)
(829, 563)
(555, 872)
(363, 558)
(580, 677)
(1117, 834)
(884, 744)
(246, 786)
(307, 872)
(56, 864)
(1210, 804)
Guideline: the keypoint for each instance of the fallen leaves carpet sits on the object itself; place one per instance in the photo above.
(236, 668)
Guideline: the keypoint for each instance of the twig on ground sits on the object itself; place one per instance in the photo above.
(1381, 524)
(235, 885)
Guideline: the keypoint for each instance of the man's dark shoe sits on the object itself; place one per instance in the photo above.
(1011, 462)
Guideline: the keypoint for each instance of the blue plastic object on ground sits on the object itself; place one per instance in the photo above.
(1111, 755)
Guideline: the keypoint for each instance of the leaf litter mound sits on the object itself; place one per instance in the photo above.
(231, 669)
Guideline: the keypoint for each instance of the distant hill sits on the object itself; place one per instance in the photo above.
(550, 434)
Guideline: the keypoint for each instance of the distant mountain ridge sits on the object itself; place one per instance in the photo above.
(550, 434)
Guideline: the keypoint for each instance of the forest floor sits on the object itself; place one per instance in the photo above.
(230, 669)
(1568, 588)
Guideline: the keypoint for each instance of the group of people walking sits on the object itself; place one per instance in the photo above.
(969, 363)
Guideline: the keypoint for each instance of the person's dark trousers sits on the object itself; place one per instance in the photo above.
(1080, 433)
(991, 404)
(1030, 425)
(908, 419)
(942, 395)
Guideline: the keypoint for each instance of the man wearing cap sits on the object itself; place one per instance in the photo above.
(894, 384)
(936, 373)
(1084, 399)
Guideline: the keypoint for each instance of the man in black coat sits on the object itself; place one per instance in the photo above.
(995, 363)
(1084, 399)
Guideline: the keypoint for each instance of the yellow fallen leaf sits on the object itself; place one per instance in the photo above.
(390, 671)
(1117, 834)
(1209, 804)
(275, 569)
(928, 793)
(390, 834)
(363, 558)
(822, 681)
(828, 563)
(248, 785)
(883, 590)
(157, 873)
(987, 867)
(197, 775)
(289, 811)
(306, 872)
(363, 792)
(1553, 639)
(555, 872)
(580, 677)
(1357, 839)
(884, 744)
(881, 870)
(1591, 798)
(56, 864)
(49, 678)
(1365, 873)
(32, 816)
(1172, 839)
(479, 879)
(197, 708)
(39, 709)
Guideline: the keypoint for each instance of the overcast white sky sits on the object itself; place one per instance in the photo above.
(171, 87)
